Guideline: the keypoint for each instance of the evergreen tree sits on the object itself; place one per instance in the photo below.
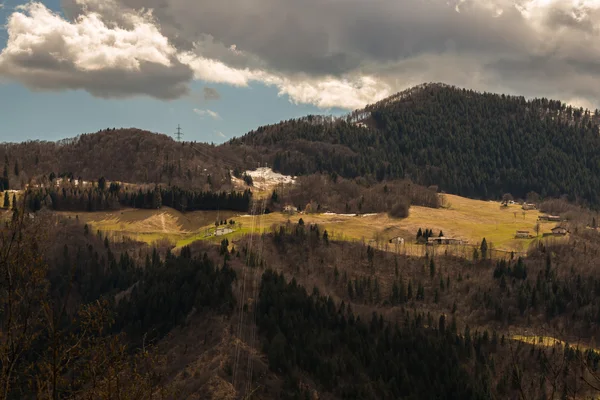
(14, 202)
(102, 183)
(484, 249)
(6, 200)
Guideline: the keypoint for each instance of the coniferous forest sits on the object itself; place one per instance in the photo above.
(472, 144)
(298, 306)
(113, 197)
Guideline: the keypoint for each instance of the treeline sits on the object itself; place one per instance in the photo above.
(100, 198)
(470, 144)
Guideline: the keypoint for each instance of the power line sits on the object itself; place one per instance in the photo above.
(178, 134)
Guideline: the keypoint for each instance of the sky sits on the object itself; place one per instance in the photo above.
(222, 68)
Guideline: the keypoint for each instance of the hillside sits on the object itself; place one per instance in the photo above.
(126, 155)
(459, 218)
(256, 319)
(472, 144)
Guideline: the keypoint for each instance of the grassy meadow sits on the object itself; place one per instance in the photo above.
(461, 218)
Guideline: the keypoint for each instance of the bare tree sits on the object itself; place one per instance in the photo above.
(23, 287)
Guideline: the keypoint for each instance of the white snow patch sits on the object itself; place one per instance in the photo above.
(339, 215)
(265, 178)
(368, 215)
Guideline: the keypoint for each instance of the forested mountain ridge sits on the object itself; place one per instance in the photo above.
(125, 155)
(478, 145)
(469, 143)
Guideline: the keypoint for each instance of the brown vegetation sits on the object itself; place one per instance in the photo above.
(335, 194)
(126, 155)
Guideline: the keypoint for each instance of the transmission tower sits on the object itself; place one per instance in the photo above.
(178, 134)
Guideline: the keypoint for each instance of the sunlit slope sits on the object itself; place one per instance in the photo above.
(461, 218)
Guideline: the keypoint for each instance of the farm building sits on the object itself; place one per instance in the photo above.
(223, 231)
(559, 231)
(290, 209)
(443, 240)
(522, 234)
(555, 218)
(543, 217)
(528, 206)
(397, 240)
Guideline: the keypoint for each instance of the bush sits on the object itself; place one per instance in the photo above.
(400, 208)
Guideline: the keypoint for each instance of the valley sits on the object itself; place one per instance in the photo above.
(405, 250)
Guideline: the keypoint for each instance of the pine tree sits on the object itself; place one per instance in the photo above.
(431, 268)
(14, 202)
(419, 234)
(441, 233)
(484, 249)
(17, 168)
(6, 200)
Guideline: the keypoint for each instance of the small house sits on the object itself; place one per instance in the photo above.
(528, 206)
(559, 231)
(397, 240)
(443, 240)
(554, 218)
(543, 217)
(522, 234)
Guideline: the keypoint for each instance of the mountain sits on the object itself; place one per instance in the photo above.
(473, 144)
(323, 305)
(478, 145)
(126, 155)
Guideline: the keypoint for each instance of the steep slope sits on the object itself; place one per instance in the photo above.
(469, 143)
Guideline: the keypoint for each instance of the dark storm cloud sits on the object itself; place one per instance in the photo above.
(547, 48)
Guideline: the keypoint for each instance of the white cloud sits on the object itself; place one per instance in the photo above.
(209, 113)
(330, 54)
(46, 52)
(220, 134)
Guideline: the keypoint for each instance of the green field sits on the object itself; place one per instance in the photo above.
(461, 218)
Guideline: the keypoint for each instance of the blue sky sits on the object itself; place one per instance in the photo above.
(147, 63)
(53, 115)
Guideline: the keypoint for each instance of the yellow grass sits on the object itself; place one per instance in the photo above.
(150, 225)
(549, 341)
(461, 218)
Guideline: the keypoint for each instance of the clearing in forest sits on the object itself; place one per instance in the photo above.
(460, 218)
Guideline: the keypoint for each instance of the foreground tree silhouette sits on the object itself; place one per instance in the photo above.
(52, 348)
